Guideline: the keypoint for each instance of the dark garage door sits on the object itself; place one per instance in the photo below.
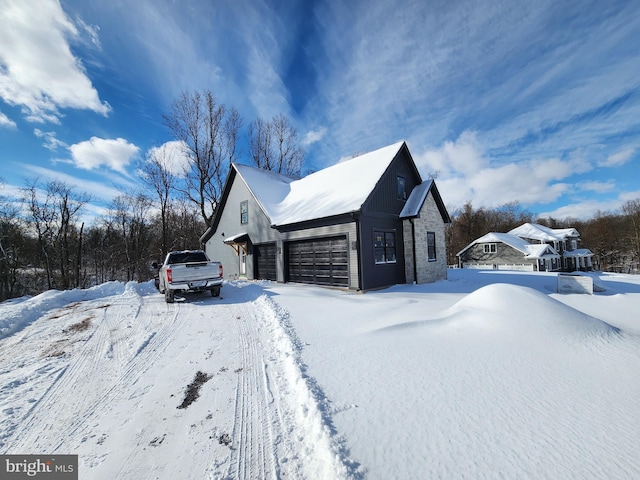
(265, 261)
(322, 261)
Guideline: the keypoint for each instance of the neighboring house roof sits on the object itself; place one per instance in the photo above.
(580, 252)
(529, 250)
(417, 198)
(542, 233)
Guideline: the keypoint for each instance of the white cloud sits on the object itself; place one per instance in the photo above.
(465, 156)
(51, 142)
(626, 196)
(103, 191)
(91, 31)
(6, 121)
(172, 156)
(96, 152)
(519, 182)
(313, 136)
(38, 71)
(582, 210)
(619, 158)
(598, 187)
(465, 174)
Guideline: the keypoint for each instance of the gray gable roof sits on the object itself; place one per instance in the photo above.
(529, 250)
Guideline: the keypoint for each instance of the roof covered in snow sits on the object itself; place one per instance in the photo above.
(544, 234)
(580, 252)
(529, 250)
(416, 200)
(341, 188)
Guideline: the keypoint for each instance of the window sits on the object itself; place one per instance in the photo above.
(431, 246)
(402, 188)
(244, 212)
(384, 246)
(490, 248)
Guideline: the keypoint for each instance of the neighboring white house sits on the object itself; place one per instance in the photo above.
(565, 241)
(530, 247)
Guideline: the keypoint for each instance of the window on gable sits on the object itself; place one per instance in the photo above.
(384, 245)
(431, 246)
(244, 212)
(490, 248)
(402, 188)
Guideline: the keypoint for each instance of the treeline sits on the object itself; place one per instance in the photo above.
(614, 237)
(45, 245)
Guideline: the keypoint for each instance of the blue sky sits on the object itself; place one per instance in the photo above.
(536, 102)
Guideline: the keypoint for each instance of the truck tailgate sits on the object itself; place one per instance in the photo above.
(195, 271)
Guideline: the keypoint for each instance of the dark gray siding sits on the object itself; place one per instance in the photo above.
(384, 199)
(376, 275)
(381, 213)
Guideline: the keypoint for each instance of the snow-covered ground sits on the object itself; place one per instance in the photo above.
(484, 375)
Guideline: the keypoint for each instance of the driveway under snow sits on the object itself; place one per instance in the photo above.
(104, 374)
(485, 375)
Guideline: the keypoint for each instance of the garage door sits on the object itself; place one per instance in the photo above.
(265, 261)
(322, 261)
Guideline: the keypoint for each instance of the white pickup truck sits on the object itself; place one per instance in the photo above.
(189, 271)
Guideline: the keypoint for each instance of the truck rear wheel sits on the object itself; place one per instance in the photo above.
(169, 296)
(215, 292)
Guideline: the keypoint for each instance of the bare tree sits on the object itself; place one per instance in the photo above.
(68, 204)
(157, 173)
(187, 227)
(275, 145)
(209, 132)
(42, 216)
(54, 211)
(11, 235)
(129, 215)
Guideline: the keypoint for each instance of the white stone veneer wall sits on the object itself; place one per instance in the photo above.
(429, 220)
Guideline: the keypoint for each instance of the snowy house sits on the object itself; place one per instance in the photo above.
(505, 251)
(363, 223)
(529, 247)
(564, 240)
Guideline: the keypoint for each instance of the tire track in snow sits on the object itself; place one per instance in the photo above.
(279, 430)
(253, 452)
(43, 433)
(37, 421)
(135, 367)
